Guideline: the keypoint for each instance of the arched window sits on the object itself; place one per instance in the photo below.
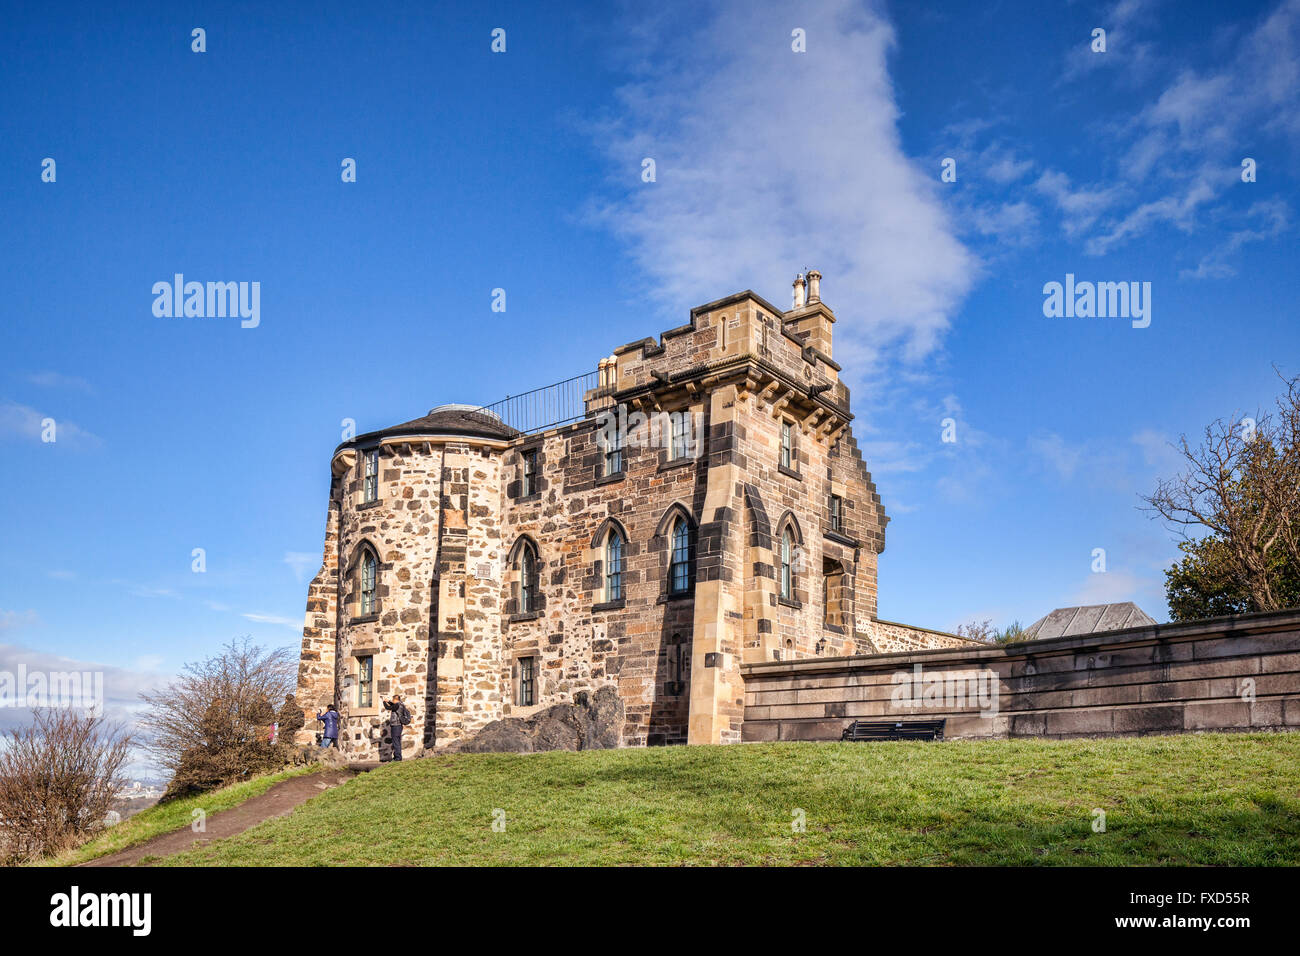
(527, 578)
(787, 565)
(679, 565)
(614, 566)
(368, 565)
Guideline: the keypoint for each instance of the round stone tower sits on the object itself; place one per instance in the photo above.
(413, 511)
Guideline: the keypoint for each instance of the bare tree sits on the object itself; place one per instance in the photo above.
(211, 726)
(982, 631)
(58, 778)
(1242, 484)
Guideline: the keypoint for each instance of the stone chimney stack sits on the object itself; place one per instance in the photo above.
(810, 317)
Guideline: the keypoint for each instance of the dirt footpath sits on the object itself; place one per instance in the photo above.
(276, 802)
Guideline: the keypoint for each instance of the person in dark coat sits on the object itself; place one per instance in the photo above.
(398, 718)
(331, 720)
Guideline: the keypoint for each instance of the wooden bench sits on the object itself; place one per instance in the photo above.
(894, 730)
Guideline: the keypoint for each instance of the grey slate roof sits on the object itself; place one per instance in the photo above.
(445, 419)
(457, 419)
(1089, 619)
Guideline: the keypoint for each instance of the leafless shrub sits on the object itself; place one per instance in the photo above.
(978, 631)
(58, 778)
(212, 726)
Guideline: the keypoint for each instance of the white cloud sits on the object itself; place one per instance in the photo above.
(1080, 207)
(1175, 160)
(302, 563)
(274, 619)
(1273, 218)
(121, 686)
(1052, 449)
(1156, 449)
(49, 379)
(145, 591)
(1179, 209)
(769, 161)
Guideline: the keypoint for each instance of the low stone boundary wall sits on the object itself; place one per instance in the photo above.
(1234, 673)
(887, 637)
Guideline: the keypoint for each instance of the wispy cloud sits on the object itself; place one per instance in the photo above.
(49, 379)
(1272, 218)
(1175, 162)
(145, 591)
(302, 563)
(273, 619)
(1127, 55)
(25, 422)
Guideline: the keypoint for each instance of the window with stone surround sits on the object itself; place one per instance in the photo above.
(370, 477)
(788, 559)
(368, 574)
(528, 482)
(526, 681)
(366, 681)
(837, 514)
(614, 453)
(528, 579)
(680, 445)
(787, 445)
(614, 566)
(787, 565)
(679, 565)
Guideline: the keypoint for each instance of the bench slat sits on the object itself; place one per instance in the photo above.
(894, 730)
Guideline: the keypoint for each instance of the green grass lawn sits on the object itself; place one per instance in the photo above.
(165, 817)
(1194, 799)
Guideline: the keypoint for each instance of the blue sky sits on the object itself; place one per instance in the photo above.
(522, 171)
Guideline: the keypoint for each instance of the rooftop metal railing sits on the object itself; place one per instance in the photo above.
(547, 407)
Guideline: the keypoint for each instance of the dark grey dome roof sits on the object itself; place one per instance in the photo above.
(468, 420)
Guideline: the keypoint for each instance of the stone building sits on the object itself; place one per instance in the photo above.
(696, 504)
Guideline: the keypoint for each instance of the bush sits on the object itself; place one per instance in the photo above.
(212, 726)
(58, 778)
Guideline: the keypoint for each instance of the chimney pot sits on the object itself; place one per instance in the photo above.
(814, 286)
(798, 291)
